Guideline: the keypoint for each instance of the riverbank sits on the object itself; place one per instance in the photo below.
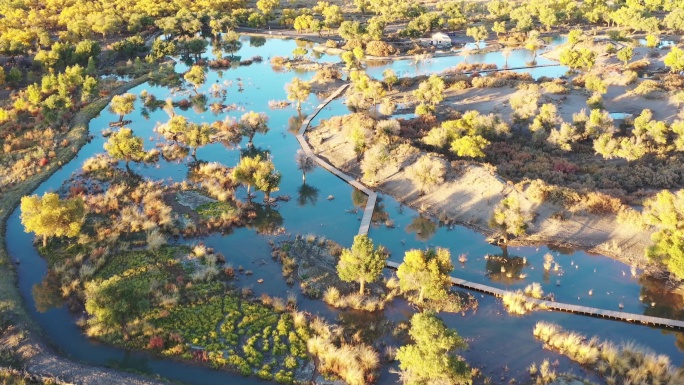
(471, 192)
(22, 336)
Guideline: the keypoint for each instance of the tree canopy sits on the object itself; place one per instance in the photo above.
(430, 358)
(50, 216)
(123, 105)
(427, 272)
(508, 218)
(123, 145)
(430, 92)
(665, 211)
(115, 302)
(362, 263)
(427, 172)
(253, 123)
(298, 91)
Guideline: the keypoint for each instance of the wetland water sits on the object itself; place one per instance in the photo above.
(496, 339)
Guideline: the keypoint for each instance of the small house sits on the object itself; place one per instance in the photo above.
(440, 39)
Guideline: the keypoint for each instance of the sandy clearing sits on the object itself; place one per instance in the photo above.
(470, 194)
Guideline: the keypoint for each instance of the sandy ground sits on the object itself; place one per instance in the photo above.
(471, 192)
(617, 99)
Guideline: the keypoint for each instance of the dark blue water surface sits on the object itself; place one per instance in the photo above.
(496, 339)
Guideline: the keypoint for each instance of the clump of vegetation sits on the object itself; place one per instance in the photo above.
(665, 213)
(518, 302)
(626, 363)
(544, 374)
(325, 268)
(363, 263)
(508, 219)
(431, 359)
(356, 364)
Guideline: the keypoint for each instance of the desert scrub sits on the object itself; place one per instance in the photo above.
(557, 87)
(649, 89)
(624, 363)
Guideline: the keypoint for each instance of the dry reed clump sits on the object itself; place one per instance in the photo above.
(155, 240)
(137, 208)
(354, 364)
(278, 104)
(279, 61)
(543, 374)
(172, 152)
(630, 217)
(599, 203)
(215, 179)
(620, 78)
(334, 298)
(548, 261)
(327, 75)
(518, 302)
(627, 363)
(557, 87)
(99, 163)
(649, 89)
(471, 67)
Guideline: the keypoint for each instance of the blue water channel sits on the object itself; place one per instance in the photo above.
(496, 339)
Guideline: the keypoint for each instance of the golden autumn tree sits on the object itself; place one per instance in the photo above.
(49, 216)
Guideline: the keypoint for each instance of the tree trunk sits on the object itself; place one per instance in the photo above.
(421, 295)
(363, 286)
(303, 177)
(124, 331)
(44, 240)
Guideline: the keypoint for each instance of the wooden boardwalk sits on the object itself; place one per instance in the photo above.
(543, 304)
(372, 195)
(569, 308)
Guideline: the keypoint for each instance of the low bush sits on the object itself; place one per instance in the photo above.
(380, 48)
(649, 89)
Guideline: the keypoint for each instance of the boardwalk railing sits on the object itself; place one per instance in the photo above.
(372, 195)
(575, 309)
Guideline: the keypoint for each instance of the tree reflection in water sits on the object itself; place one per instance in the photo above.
(307, 195)
(505, 268)
(266, 220)
(424, 227)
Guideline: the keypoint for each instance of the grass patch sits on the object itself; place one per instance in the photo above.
(217, 210)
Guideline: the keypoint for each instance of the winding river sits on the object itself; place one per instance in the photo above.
(496, 339)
